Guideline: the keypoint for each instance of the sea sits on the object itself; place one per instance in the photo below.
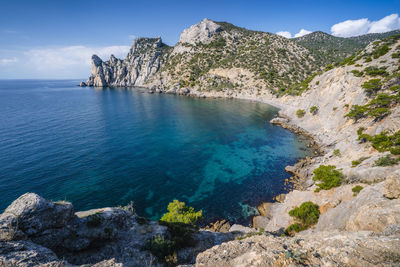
(109, 147)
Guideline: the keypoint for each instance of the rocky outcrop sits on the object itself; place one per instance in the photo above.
(200, 32)
(35, 231)
(331, 248)
(146, 57)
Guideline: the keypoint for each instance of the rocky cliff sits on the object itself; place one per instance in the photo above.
(144, 59)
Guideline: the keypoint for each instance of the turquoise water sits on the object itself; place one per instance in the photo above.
(101, 148)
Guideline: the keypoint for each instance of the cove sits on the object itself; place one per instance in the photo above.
(99, 148)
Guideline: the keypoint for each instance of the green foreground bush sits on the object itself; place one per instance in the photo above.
(181, 222)
(328, 176)
(306, 215)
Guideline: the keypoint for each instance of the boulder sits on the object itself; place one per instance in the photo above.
(391, 187)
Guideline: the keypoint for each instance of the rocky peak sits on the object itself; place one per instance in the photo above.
(96, 61)
(200, 32)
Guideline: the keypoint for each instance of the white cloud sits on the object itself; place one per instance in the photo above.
(285, 34)
(55, 62)
(302, 32)
(351, 27)
(363, 26)
(7, 61)
(66, 57)
(388, 23)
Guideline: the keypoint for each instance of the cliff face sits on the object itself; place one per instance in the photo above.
(145, 58)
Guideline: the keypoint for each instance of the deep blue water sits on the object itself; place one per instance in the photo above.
(101, 148)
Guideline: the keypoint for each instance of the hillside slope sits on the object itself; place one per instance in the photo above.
(218, 57)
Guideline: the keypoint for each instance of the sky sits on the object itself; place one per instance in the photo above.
(55, 39)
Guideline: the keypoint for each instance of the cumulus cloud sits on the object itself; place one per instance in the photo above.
(302, 32)
(357, 27)
(55, 62)
(285, 34)
(388, 23)
(351, 28)
(8, 61)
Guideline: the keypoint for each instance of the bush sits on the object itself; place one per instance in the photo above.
(336, 152)
(329, 67)
(357, 112)
(307, 213)
(357, 73)
(356, 189)
(294, 228)
(395, 150)
(160, 247)
(375, 71)
(300, 113)
(380, 51)
(372, 86)
(355, 163)
(394, 88)
(314, 110)
(329, 177)
(178, 212)
(386, 161)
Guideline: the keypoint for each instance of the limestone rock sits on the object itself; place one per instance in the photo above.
(369, 211)
(391, 187)
(309, 249)
(200, 32)
(144, 59)
(27, 254)
(219, 226)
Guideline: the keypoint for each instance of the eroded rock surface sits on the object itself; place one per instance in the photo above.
(35, 231)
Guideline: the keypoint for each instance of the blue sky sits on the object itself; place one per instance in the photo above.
(54, 39)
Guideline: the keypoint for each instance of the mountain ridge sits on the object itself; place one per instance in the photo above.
(256, 61)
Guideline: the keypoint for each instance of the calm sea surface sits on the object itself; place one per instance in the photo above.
(101, 148)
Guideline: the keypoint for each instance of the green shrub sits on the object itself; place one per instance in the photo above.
(394, 88)
(178, 212)
(368, 59)
(307, 213)
(160, 247)
(314, 110)
(375, 71)
(355, 163)
(329, 67)
(336, 152)
(317, 82)
(357, 189)
(294, 228)
(357, 73)
(357, 112)
(372, 86)
(395, 150)
(380, 51)
(386, 161)
(300, 113)
(328, 176)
